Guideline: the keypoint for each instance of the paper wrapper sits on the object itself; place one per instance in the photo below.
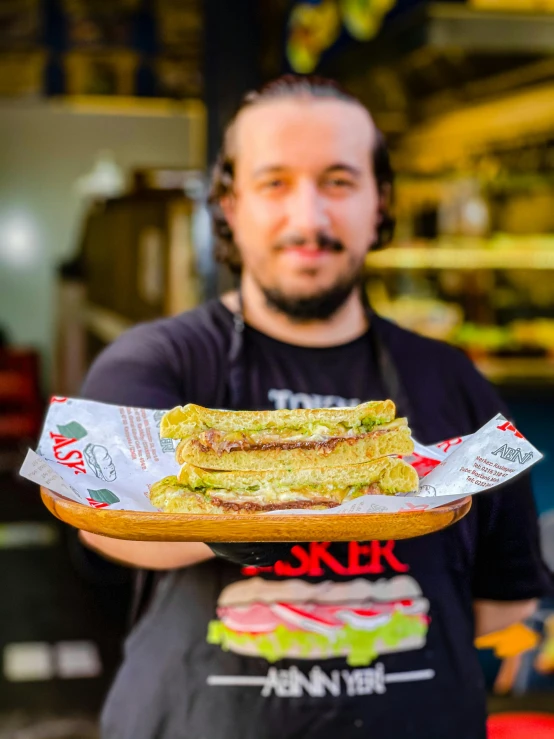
(107, 456)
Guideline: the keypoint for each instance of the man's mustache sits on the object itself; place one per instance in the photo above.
(323, 241)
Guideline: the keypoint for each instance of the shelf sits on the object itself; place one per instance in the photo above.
(461, 258)
(517, 370)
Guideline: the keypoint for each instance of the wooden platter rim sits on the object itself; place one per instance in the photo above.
(109, 522)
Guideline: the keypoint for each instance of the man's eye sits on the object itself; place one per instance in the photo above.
(273, 184)
(339, 182)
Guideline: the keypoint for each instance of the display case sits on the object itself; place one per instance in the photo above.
(473, 258)
(136, 262)
(101, 72)
(495, 302)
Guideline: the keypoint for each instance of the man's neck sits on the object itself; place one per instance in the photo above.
(347, 324)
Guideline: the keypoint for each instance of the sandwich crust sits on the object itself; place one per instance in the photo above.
(394, 475)
(191, 419)
(206, 491)
(171, 497)
(332, 452)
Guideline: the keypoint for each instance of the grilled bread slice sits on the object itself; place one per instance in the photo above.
(190, 420)
(257, 440)
(210, 451)
(199, 490)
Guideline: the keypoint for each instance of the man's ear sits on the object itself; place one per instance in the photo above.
(385, 197)
(227, 205)
(385, 218)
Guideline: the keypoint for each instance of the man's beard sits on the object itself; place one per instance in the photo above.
(314, 307)
(326, 303)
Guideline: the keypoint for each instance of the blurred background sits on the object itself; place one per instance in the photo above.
(111, 113)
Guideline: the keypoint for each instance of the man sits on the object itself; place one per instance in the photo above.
(333, 640)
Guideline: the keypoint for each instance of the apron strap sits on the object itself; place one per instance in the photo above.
(236, 361)
(387, 368)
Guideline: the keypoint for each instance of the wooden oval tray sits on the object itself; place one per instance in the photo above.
(145, 526)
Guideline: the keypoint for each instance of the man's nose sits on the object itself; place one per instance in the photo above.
(307, 209)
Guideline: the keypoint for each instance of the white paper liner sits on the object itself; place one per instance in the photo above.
(107, 456)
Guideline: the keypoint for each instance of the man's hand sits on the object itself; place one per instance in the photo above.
(160, 555)
(147, 555)
(252, 554)
(495, 615)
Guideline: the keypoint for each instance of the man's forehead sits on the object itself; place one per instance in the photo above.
(306, 128)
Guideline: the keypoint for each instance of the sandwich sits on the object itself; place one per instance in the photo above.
(358, 620)
(286, 439)
(197, 490)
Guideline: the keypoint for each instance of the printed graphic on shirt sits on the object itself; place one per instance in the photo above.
(358, 620)
(317, 683)
(317, 559)
(288, 399)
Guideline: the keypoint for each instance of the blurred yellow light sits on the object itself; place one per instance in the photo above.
(541, 6)
(449, 140)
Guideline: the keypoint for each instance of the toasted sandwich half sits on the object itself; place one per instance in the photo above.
(265, 440)
(197, 490)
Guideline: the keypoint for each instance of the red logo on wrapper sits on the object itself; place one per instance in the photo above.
(414, 507)
(96, 503)
(446, 445)
(423, 465)
(510, 427)
(57, 400)
(71, 458)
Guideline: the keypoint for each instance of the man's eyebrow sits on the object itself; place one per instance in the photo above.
(341, 167)
(269, 169)
(338, 167)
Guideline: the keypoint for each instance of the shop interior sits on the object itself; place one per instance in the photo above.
(110, 117)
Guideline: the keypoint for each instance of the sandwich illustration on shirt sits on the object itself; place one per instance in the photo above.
(258, 461)
(358, 619)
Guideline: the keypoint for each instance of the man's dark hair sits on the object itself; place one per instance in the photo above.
(292, 86)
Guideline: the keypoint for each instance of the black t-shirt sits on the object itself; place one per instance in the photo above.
(359, 639)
